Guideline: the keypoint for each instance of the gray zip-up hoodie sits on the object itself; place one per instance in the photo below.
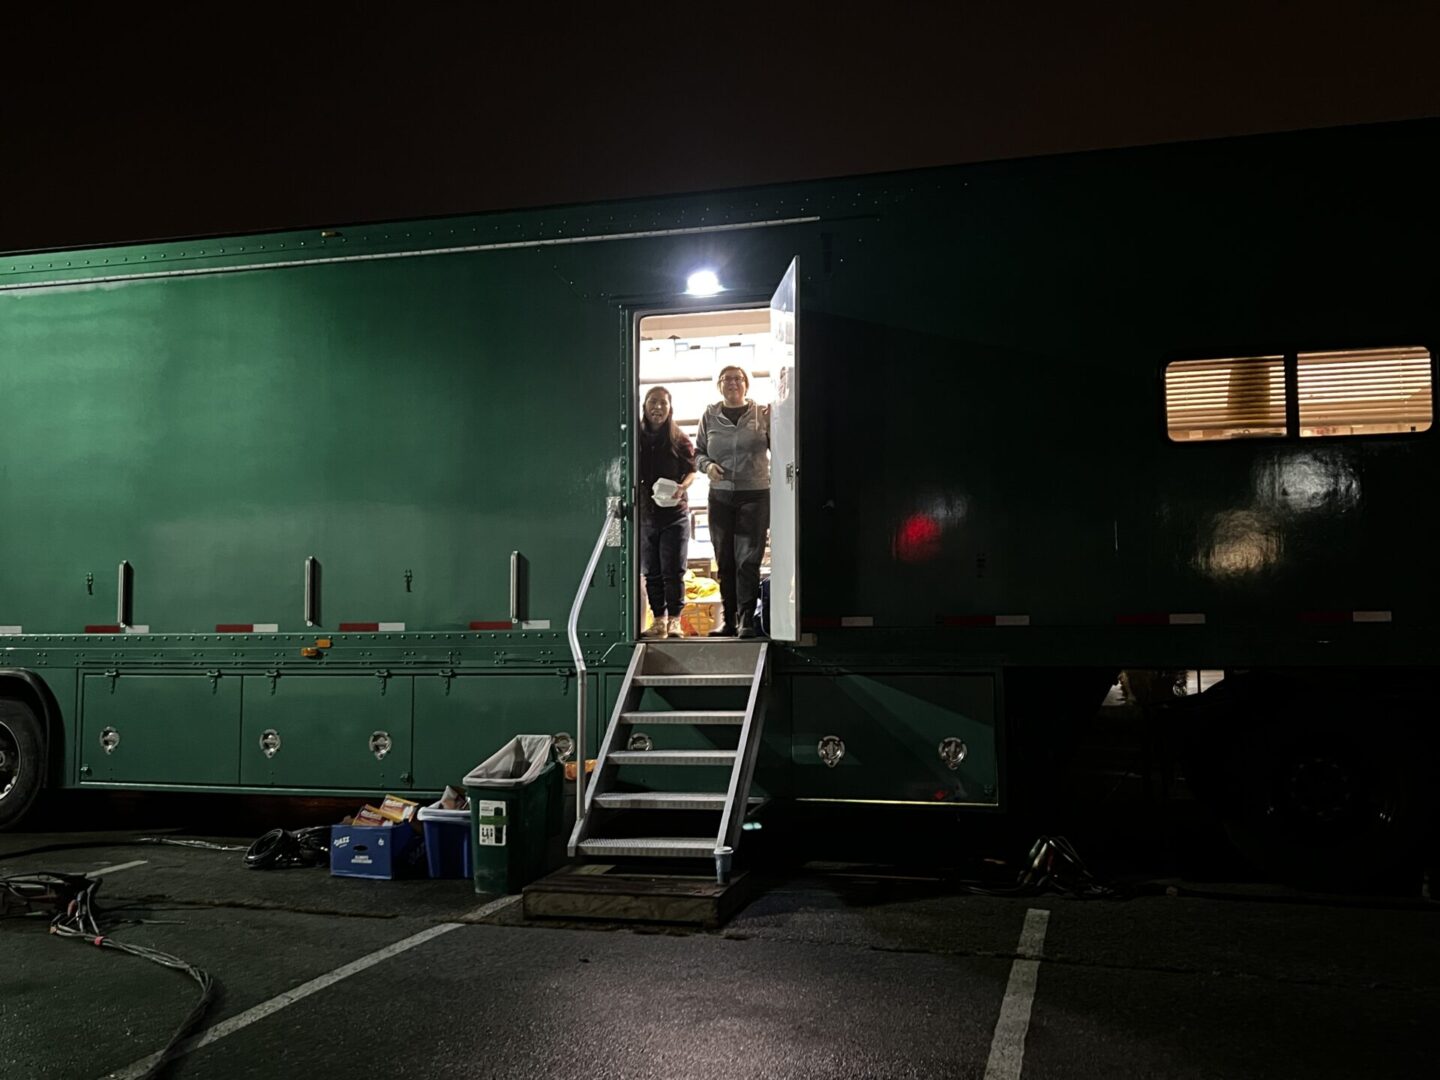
(742, 449)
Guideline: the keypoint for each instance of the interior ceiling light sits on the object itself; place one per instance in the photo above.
(702, 283)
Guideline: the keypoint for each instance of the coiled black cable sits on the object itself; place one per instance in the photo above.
(280, 848)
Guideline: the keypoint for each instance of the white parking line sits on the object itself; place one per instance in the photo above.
(1007, 1047)
(484, 911)
(117, 868)
(275, 1004)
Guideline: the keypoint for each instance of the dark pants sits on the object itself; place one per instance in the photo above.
(739, 522)
(664, 533)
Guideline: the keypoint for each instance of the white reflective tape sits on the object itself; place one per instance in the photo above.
(137, 629)
(1012, 620)
(265, 628)
(1370, 616)
(857, 620)
(535, 624)
(9, 631)
(1193, 618)
(391, 627)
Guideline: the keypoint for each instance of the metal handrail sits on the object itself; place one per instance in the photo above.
(611, 510)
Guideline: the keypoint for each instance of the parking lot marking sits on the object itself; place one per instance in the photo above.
(117, 868)
(484, 911)
(279, 1001)
(1007, 1047)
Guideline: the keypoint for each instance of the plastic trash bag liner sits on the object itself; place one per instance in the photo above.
(514, 765)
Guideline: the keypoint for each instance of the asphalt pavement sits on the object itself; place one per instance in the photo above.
(832, 971)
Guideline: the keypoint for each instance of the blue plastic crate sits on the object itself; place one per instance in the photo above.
(447, 842)
(372, 851)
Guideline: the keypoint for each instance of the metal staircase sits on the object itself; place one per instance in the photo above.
(630, 771)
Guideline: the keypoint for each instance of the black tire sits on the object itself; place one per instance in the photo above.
(1317, 792)
(22, 761)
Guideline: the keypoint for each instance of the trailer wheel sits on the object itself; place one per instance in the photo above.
(21, 761)
(1311, 795)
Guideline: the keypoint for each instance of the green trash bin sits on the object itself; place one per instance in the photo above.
(515, 798)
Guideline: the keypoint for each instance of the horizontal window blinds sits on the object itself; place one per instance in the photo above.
(1364, 391)
(1236, 398)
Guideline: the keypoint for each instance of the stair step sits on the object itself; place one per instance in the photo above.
(662, 800)
(672, 757)
(692, 680)
(670, 800)
(675, 847)
(723, 717)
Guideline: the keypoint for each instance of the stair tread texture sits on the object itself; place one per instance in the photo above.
(705, 716)
(672, 757)
(697, 846)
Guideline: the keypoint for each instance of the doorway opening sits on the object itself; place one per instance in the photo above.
(685, 353)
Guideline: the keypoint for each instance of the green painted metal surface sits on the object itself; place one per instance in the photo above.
(327, 731)
(161, 729)
(462, 720)
(982, 432)
(892, 728)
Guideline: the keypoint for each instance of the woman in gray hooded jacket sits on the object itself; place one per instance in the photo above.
(733, 450)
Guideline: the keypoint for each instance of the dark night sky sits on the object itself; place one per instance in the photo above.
(131, 124)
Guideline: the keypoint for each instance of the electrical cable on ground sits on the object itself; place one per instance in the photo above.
(73, 895)
(282, 847)
(139, 841)
(1053, 865)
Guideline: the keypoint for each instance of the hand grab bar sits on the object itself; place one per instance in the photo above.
(612, 510)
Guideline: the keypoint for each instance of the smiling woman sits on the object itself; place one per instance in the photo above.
(694, 355)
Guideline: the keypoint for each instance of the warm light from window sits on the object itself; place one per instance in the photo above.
(1364, 391)
(1237, 398)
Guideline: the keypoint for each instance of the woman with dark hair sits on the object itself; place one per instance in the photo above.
(667, 469)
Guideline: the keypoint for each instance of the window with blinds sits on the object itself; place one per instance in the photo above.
(1346, 392)
(1364, 391)
(1236, 398)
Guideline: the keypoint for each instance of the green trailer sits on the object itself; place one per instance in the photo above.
(305, 512)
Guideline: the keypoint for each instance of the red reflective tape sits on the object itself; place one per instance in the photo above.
(820, 622)
(495, 625)
(104, 629)
(1324, 616)
(235, 628)
(359, 627)
(1147, 618)
(967, 620)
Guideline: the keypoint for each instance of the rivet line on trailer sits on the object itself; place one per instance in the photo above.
(459, 249)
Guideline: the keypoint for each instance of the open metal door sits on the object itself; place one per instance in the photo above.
(785, 461)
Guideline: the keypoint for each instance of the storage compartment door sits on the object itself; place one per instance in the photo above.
(460, 721)
(327, 731)
(161, 729)
(895, 737)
